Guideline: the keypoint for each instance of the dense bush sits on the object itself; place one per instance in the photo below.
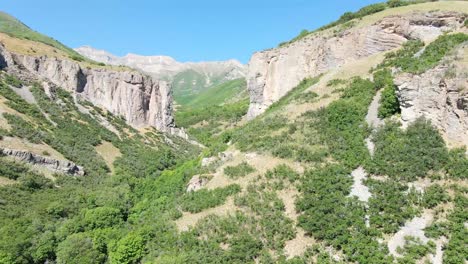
(342, 123)
(273, 227)
(129, 250)
(102, 217)
(407, 155)
(239, 170)
(282, 172)
(329, 214)
(391, 205)
(434, 195)
(11, 169)
(389, 104)
(77, 249)
(19, 104)
(457, 164)
(430, 57)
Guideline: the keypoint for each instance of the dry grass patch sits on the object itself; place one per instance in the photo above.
(33, 48)
(5, 181)
(109, 153)
(38, 149)
(189, 220)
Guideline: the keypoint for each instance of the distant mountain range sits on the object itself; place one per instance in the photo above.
(187, 78)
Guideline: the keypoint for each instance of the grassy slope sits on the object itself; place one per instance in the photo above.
(15, 28)
(220, 93)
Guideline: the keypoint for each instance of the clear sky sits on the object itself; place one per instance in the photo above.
(186, 30)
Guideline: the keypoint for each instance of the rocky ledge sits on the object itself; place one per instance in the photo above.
(53, 165)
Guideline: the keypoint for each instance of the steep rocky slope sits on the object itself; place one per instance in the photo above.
(141, 100)
(272, 73)
(440, 95)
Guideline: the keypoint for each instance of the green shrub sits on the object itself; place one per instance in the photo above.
(244, 248)
(272, 225)
(391, 205)
(396, 3)
(407, 155)
(78, 249)
(129, 250)
(414, 249)
(282, 172)
(198, 201)
(13, 81)
(434, 195)
(389, 104)
(430, 57)
(19, 104)
(383, 78)
(457, 164)
(335, 82)
(240, 170)
(101, 217)
(342, 124)
(11, 169)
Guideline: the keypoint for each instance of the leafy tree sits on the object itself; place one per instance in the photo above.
(101, 217)
(78, 249)
(129, 249)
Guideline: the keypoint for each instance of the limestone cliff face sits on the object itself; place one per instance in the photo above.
(274, 72)
(141, 100)
(440, 95)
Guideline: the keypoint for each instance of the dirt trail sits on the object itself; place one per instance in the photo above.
(359, 189)
(414, 227)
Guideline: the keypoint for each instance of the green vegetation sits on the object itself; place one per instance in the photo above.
(13, 27)
(391, 204)
(330, 215)
(198, 201)
(430, 56)
(12, 170)
(389, 104)
(239, 170)
(434, 195)
(414, 249)
(344, 134)
(407, 155)
(13, 81)
(275, 227)
(223, 93)
(129, 214)
(336, 82)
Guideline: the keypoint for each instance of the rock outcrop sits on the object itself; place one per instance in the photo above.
(197, 182)
(53, 165)
(140, 99)
(274, 72)
(439, 96)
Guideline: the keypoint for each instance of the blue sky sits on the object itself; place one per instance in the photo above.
(186, 30)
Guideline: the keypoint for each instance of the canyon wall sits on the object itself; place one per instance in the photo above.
(272, 73)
